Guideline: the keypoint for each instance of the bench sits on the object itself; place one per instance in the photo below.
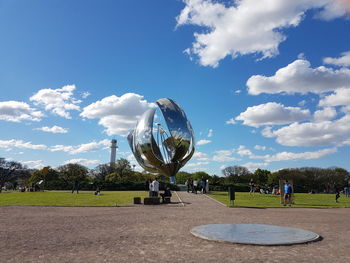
(154, 200)
(137, 200)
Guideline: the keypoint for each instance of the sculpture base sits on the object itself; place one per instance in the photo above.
(254, 234)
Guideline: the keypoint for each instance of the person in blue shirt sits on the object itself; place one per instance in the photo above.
(287, 193)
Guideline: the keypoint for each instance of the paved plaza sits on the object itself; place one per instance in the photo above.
(162, 233)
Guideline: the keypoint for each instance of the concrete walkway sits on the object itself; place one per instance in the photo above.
(162, 233)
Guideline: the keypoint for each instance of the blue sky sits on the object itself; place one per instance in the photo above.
(265, 85)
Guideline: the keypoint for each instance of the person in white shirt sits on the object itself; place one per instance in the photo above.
(155, 187)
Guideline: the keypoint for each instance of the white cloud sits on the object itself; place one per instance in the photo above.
(33, 164)
(224, 156)
(325, 114)
(313, 133)
(9, 144)
(243, 151)
(197, 164)
(58, 101)
(16, 111)
(231, 121)
(302, 103)
(272, 113)
(339, 97)
(200, 156)
(260, 147)
(85, 94)
(289, 156)
(247, 26)
(253, 166)
(343, 60)
(299, 77)
(117, 114)
(81, 148)
(334, 9)
(210, 133)
(202, 142)
(53, 129)
(82, 161)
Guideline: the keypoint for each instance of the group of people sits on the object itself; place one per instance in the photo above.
(194, 186)
(287, 191)
(153, 187)
(256, 188)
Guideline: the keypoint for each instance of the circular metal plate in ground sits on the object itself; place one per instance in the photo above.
(254, 234)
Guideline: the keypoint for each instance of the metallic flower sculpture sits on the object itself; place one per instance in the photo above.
(160, 149)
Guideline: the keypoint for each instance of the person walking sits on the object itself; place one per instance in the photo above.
(252, 187)
(203, 188)
(188, 183)
(287, 193)
(337, 194)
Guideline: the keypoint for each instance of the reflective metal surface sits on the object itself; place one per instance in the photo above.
(254, 234)
(172, 149)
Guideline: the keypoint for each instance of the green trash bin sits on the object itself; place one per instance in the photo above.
(231, 195)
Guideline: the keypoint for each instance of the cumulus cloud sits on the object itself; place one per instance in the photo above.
(81, 148)
(210, 133)
(34, 164)
(243, 151)
(272, 113)
(321, 133)
(251, 166)
(117, 114)
(224, 156)
(339, 97)
(53, 129)
(260, 147)
(202, 142)
(85, 94)
(10, 144)
(247, 26)
(299, 77)
(231, 121)
(325, 114)
(197, 164)
(289, 156)
(334, 9)
(200, 156)
(16, 111)
(58, 101)
(82, 161)
(343, 60)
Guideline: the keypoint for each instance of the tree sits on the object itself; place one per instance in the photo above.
(122, 167)
(49, 176)
(233, 173)
(8, 171)
(74, 174)
(100, 173)
(199, 175)
(121, 171)
(261, 176)
(216, 180)
(182, 177)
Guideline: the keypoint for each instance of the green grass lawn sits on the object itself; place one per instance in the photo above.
(66, 198)
(266, 200)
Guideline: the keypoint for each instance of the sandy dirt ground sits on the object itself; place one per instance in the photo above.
(162, 233)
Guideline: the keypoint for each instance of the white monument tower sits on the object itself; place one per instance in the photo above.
(113, 151)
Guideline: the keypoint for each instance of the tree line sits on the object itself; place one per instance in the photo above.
(121, 176)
